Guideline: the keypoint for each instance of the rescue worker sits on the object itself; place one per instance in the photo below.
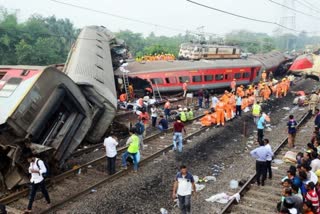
(167, 107)
(245, 103)
(183, 115)
(123, 97)
(266, 92)
(256, 109)
(264, 76)
(229, 110)
(185, 88)
(133, 149)
(190, 114)
(225, 97)
(313, 102)
(131, 91)
(206, 119)
(220, 113)
(233, 85)
(279, 90)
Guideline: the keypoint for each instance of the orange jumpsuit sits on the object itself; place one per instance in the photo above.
(233, 85)
(123, 97)
(228, 109)
(279, 90)
(285, 87)
(225, 97)
(251, 100)
(206, 120)
(214, 118)
(220, 113)
(266, 93)
(245, 103)
(130, 88)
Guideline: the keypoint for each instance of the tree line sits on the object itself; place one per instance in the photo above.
(47, 40)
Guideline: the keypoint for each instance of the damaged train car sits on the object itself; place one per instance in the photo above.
(51, 111)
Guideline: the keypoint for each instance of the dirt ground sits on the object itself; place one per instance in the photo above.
(222, 152)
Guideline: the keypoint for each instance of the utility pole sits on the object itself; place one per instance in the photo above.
(288, 20)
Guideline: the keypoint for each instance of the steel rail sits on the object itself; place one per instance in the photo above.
(117, 175)
(246, 186)
(22, 193)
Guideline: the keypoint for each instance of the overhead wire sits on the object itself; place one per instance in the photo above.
(315, 9)
(245, 17)
(127, 18)
(295, 10)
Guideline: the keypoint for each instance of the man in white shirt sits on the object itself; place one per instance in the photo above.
(111, 144)
(37, 168)
(183, 186)
(214, 101)
(269, 158)
(315, 163)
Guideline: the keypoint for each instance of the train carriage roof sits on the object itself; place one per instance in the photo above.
(164, 66)
(271, 59)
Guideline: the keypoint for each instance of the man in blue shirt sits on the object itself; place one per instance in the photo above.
(292, 130)
(261, 154)
(163, 124)
(260, 127)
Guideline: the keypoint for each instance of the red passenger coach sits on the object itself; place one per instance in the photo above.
(169, 76)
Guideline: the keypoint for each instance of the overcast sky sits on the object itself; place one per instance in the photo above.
(178, 14)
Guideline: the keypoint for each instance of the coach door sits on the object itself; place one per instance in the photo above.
(252, 77)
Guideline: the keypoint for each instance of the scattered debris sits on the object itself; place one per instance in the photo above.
(200, 187)
(89, 166)
(278, 161)
(234, 184)
(223, 198)
(163, 211)
(210, 178)
(290, 157)
(286, 108)
(93, 190)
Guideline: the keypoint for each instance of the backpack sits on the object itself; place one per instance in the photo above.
(139, 128)
(46, 174)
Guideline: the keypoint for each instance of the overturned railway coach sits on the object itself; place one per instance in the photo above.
(51, 111)
(169, 76)
(44, 104)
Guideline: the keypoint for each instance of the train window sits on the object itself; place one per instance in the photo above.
(10, 87)
(99, 40)
(99, 47)
(196, 78)
(219, 77)
(184, 79)
(98, 66)
(208, 78)
(171, 80)
(234, 51)
(156, 81)
(227, 76)
(237, 75)
(246, 75)
(99, 56)
(25, 72)
(2, 74)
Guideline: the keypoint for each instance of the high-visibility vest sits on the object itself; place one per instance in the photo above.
(256, 110)
(190, 115)
(134, 145)
(183, 116)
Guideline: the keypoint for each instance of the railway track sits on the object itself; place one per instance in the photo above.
(263, 200)
(95, 169)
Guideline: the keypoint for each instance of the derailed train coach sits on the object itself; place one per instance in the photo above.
(52, 112)
(43, 104)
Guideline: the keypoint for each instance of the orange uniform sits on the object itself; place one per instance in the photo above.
(123, 97)
(245, 103)
(266, 93)
(233, 85)
(228, 109)
(220, 113)
(167, 105)
(279, 90)
(144, 117)
(206, 120)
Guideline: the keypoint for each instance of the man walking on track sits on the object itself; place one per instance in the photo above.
(184, 186)
(178, 126)
(261, 155)
(37, 169)
(292, 130)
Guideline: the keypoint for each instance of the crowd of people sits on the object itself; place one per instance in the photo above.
(156, 57)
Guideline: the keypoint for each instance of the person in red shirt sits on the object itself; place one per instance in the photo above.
(185, 88)
(144, 117)
(178, 126)
(233, 85)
